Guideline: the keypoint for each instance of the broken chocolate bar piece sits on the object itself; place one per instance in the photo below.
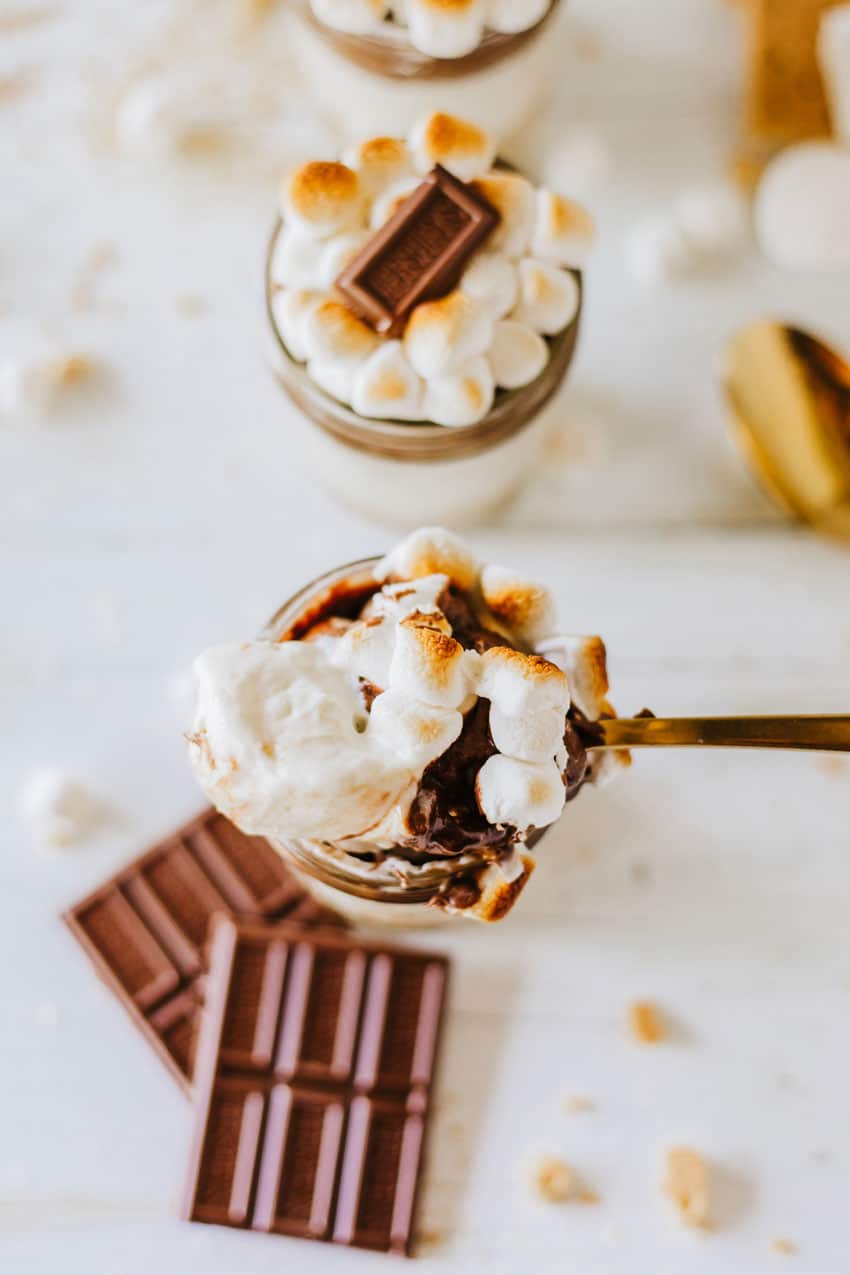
(314, 1079)
(419, 254)
(145, 929)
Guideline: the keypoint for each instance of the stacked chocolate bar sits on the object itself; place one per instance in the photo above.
(309, 1054)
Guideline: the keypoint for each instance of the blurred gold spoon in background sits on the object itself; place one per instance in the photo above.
(789, 396)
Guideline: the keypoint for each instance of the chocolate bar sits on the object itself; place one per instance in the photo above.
(146, 928)
(419, 254)
(314, 1078)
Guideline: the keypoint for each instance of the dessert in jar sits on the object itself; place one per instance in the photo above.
(397, 736)
(423, 306)
(372, 61)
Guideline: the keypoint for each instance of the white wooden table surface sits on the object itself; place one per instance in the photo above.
(163, 513)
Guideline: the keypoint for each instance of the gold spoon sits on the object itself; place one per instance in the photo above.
(789, 397)
(824, 734)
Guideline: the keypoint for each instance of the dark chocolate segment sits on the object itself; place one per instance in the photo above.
(419, 254)
(146, 929)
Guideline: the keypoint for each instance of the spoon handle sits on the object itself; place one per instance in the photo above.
(824, 734)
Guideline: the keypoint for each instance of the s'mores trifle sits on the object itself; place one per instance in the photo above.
(398, 736)
(388, 59)
(424, 304)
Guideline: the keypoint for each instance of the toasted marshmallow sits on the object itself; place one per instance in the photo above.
(426, 555)
(517, 356)
(336, 254)
(515, 200)
(517, 683)
(333, 334)
(461, 398)
(445, 30)
(403, 597)
(585, 662)
(290, 309)
(548, 297)
(442, 335)
(380, 162)
(525, 608)
(296, 260)
(511, 16)
(428, 665)
(491, 280)
(386, 386)
(500, 885)
(366, 649)
(461, 147)
(417, 733)
(520, 794)
(563, 231)
(357, 17)
(389, 201)
(531, 736)
(322, 198)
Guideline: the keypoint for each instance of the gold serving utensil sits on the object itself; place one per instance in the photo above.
(829, 734)
(789, 400)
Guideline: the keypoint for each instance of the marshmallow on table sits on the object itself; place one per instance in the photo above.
(517, 356)
(563, 231)
(357, 17)
(322, 198)
(442, 335)
(427, 554)
(428, 665)
(460, 398)
(508, 17)
(491, 280)
(380, 162)
(417, 733)
(460, 147)
(658, 249)
(527, 609)
(290, 309)
(445, 30)
(388, 202)
(296, 260)
(515, 200)
(520, 794)
(59, 809)
(336, 254)
(548, 297)
(714, 219)
(386, 387)
(802, 207)
(517, 683)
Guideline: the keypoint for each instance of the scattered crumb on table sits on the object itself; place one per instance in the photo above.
(786, 1248)
(553, 1180)
(646, 1023)
(576, 1103)
(587, 1196)
(686, 1182)
(190, 306)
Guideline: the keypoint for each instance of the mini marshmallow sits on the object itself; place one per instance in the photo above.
(714, 219)
(322, 198)
(548, 297)
(403, 597)
(59, 809)
(517, 356)
(332, 334)
(520, 794)
(386, 386)
(290, 309)
(416, 733)
(428, 665)
(445, 30)
(442, 335)
(390, 200)
(533, 737)
(802, 208)
(491, 280)
(334, 376)
(459, 146)
(563, 231)
(427, 554)
(336, 254)
(366, 649)
(508, 17)
(296, 260)
(461, 398)
(357, 17)
(517, 683)
(527, 609)
(380, 162)
(515, 200)
(657, 250)
(834, 59)
(585, 662)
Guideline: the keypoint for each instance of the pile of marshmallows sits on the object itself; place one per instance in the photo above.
(283, 744)
(455, 351)
(437, 28)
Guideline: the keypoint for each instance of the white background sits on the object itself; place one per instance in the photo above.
(161, 511)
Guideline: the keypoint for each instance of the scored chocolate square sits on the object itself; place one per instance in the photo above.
(419, 254)
(146, 928)
(314, 1079)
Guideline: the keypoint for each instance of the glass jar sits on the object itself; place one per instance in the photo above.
(372, 83)
(364, 892)
(404, 474)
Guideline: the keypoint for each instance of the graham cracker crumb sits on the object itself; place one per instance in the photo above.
(72, 369)
(190, 306)
(575, 1103)
(586, 1196)
(646, 1023)
(786, 1248)
(15, 86)
(687, 1184)
(553, 1180)
(25, 19)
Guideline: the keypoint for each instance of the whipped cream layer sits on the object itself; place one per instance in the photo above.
(422, 725)
(488, 335)
(433, 27)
